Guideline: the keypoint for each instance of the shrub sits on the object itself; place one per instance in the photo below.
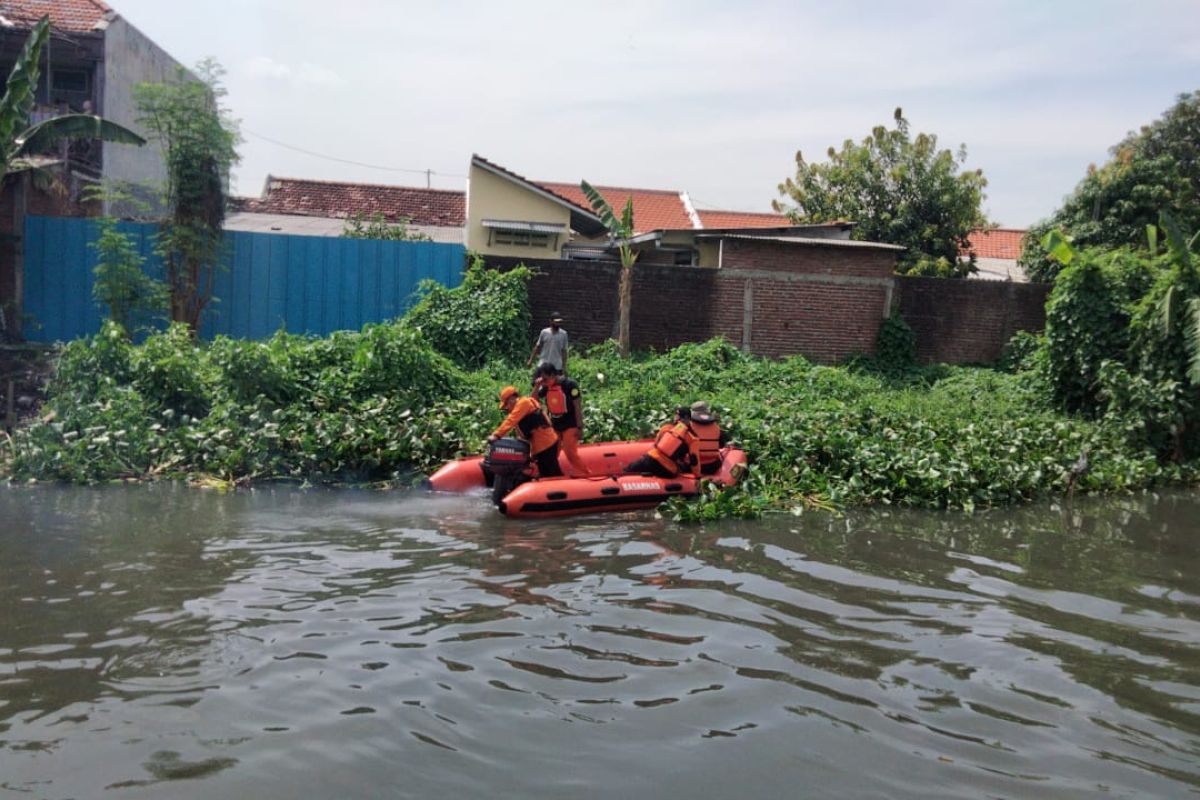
(484, 319)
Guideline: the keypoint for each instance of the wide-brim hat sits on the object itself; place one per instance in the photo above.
(700, 409)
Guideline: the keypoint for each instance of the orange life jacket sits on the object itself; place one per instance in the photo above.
(674, 442)
(707, 447)
(532, 425)
(556, 400)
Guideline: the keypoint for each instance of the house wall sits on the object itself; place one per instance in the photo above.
(969, 321)
(493, 197)
(131, 58)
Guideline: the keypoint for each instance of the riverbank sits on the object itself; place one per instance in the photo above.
(381, 405)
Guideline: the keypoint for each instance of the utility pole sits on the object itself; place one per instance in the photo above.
(428, 172)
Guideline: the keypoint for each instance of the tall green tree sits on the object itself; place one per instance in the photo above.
(899, 190)
(199, 140)
(18, 139)
(621, 229)
(1151, 170)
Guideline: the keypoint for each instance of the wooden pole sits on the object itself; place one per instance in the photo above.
(10, 414)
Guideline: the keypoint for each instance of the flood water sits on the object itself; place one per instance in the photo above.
(168, 642)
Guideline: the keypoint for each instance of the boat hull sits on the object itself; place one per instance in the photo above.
(609, 488)
(601, 459)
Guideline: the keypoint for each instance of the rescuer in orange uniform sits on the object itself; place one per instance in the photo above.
(708, 438)
(672, 450)
(564, 406)
(526, 417)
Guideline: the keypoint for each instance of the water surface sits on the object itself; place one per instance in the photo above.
(159, 641)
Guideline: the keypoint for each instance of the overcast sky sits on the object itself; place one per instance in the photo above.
(711, 98)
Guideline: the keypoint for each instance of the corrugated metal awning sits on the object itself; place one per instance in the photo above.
(531, 227)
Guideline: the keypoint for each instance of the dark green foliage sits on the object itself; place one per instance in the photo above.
(486, 319)
(1151, 170)
(1021, 352)
(1087, 321)
(1121, 340)
(896, 345)
(899, 190)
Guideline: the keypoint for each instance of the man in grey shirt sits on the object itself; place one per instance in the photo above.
(551, 346)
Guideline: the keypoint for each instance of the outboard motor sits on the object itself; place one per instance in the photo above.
(507, 460)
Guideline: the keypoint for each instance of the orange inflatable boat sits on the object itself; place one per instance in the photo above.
(608, 488)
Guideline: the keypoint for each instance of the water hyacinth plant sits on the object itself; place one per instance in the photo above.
(393, 401)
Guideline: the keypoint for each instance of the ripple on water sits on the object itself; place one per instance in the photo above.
(287, 643)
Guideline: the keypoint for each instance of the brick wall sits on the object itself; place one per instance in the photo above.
(825, 303)
(969, 321)
(759, 303)
(829, 260)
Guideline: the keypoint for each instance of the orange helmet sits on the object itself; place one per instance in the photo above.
(506, 393)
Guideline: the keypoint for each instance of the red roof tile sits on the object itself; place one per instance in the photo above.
(1002, 243)
(310, 198)
(653, 209)
(742, 219)
(75, 16)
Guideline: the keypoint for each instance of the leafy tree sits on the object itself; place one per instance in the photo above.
(17, 140)
(1123, 339)
(121, 284)
(199, 141)
(622, 230)
(376, 227)
(1151, 170)
(899, 190)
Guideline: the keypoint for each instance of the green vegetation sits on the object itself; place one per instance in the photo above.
(1122, 340)
(360, 226)
(390, 402)
(121, 285)
(1154, 169)
(898, 190)
(198, 138)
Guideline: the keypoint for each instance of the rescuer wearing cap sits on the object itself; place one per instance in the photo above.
(525, 416)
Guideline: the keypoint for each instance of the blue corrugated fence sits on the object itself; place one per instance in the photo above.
(303, 284)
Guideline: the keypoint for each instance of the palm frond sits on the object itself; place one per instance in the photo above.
(38, 137)
(1167, 306)
(22, 83)
(1177, 244)
(627, 218)
(1192, 338)
(602, 209)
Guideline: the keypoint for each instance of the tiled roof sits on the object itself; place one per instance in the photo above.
(74, 16)
(653, 209)
(303, 197)
(742, 219)
(1003, 243)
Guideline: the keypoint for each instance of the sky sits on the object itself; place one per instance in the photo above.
(705, 97)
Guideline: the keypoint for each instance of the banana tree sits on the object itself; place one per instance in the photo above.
(1176, 299)
(19, 140)
(621, 230)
